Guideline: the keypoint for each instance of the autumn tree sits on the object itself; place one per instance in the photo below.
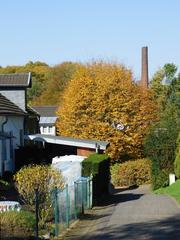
(48, 83)
(56, 81)
(38, 70)
(102, 102)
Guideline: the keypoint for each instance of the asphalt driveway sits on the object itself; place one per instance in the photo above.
(131, 214)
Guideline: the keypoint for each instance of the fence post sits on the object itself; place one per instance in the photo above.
(82, 197)
(56, 218)
(67, 206)
(91, 191)
(88, 192)
(75, 200)
(37, 217)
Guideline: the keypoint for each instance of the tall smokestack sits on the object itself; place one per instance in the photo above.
(144, 69)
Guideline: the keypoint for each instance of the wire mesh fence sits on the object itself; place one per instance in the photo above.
(71, 202)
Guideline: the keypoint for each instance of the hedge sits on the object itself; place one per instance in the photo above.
(97, 165)
(134, 172)
(91, 165)
(177, 159)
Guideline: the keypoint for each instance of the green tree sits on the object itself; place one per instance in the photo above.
(102, 102)
(161, 82)
(161, 141)
(170, 70)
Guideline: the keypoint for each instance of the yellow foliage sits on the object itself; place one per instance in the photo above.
(102, 102)
(43, 178)
(134, 172)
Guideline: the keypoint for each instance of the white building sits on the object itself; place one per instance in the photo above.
(48, 119)
(14, 117)
(11, 132)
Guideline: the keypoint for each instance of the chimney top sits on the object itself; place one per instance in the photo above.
(144, 67)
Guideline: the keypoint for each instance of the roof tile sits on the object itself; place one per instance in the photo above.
(15, 80)
(46, 111)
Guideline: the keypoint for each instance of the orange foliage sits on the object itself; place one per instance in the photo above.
(102, 102)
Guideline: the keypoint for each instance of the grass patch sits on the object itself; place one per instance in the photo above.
(172, 190)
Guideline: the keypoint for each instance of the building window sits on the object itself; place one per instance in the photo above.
(45, 129)
(50, 129)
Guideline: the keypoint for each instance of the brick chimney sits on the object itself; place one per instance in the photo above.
(144, 68)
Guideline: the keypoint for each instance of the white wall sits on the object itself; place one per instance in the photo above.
(48, 130)
(18, 97)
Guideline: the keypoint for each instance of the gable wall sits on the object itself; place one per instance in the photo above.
(18, 97)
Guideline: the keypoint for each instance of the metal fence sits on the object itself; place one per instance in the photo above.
(71, 202)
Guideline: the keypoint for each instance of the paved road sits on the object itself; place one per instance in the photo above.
(131, 214)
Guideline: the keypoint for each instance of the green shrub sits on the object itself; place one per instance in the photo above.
(160, 145)
(131, 173)
(14, 221)
(177, 159)
(97, 165)
(91, 165)
(160, 178)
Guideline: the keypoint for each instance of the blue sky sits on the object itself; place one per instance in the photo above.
(54, 31)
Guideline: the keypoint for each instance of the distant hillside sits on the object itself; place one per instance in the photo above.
(48, 83)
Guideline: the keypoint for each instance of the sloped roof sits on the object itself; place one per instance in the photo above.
(47, 121)
(46, 111)
(31, 111)
(9, 108)
(15, 80)
(69, 141)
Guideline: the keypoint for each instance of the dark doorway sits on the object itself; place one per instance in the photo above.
(52, 150)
